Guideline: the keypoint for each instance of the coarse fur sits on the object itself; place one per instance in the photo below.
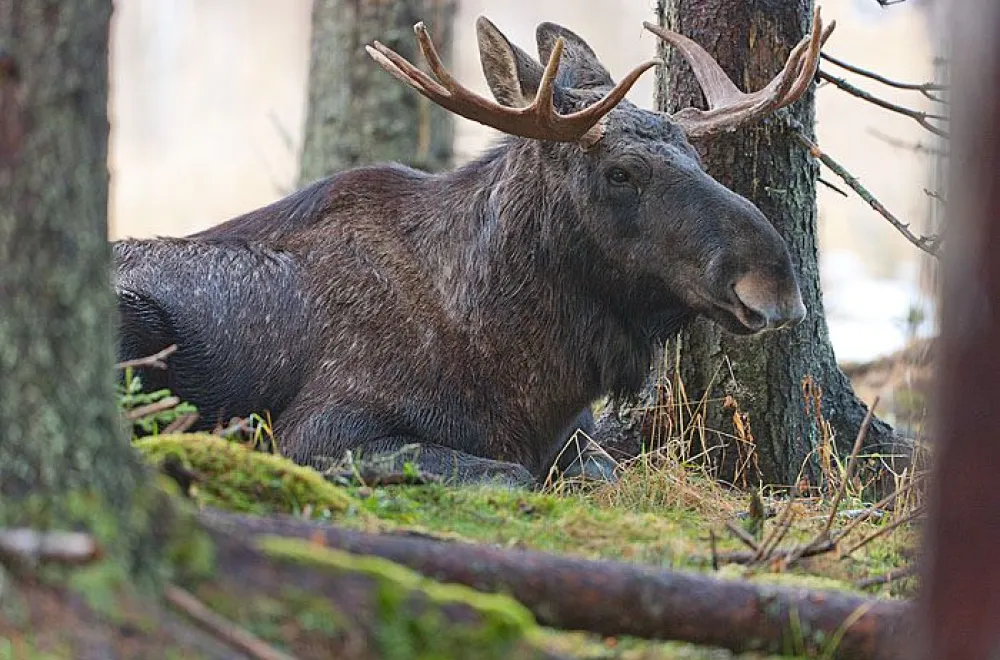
(475, 312)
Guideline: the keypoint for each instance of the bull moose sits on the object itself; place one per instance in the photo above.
(476, 313)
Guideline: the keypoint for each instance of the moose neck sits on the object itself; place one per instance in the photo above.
(514, 265)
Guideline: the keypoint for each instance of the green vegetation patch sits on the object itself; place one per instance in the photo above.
(231, 476)
(411, 609)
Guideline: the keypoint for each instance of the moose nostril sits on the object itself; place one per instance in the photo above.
(766, 305)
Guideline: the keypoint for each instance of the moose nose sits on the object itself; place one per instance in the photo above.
(769, 303)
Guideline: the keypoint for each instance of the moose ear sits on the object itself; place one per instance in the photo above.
(512, 74)
(580, 67)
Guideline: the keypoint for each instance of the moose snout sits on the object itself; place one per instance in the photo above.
(765, 302)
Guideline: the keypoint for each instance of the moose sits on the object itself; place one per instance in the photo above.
(475, 314)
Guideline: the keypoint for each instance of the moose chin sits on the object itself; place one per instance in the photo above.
(472, 317)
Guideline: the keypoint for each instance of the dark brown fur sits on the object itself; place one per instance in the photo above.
(476, 312)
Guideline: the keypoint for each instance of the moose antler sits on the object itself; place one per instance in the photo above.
(728, 107)
(539, 120)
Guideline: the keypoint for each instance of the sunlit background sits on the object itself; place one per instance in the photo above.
(208, 103)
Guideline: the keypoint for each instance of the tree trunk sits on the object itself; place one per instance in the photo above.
(775, 378)
(61, 443)
(358, 113)
(961, 611)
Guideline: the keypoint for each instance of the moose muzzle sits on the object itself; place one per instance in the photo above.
(763, 302)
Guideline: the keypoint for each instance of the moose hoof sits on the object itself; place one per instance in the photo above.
(592, 464)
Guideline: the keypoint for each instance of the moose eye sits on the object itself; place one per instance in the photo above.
(618, 176)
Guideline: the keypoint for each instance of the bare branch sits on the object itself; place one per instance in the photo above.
(156, 360)
(923, 118)
(163, 404)
(222, 628)
(915, 147)
(924, 88)
(33, 546)
(882, 531)
(887, 577)
(929, 244)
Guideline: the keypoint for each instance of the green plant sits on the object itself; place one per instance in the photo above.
(149, 412)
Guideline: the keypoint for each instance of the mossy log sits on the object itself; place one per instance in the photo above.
(620, 599)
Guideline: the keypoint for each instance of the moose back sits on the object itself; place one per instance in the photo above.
(475, 313)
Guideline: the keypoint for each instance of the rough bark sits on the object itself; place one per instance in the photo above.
(358, 113)
(611, 598)
(772, 377)
(60, 436)
(961, 612)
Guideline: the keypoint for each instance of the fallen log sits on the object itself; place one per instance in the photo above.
(612, 598)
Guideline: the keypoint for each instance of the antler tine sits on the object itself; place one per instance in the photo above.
(714, 82)
(538, 121)
(810, 60)
(401, 69)
(728, 107)
(544, 103)
(432, 58)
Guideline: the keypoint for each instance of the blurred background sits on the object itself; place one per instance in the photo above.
(209, 101)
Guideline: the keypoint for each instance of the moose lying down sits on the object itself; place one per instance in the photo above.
(478, 312)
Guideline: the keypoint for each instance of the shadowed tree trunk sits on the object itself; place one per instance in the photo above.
(775, 378)
(961, 611)
(61, 443)
(358, 113)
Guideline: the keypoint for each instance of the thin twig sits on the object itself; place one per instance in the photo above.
(163, 404)
(182, 423)
(778, 532)
(883, 531)
(222, 628)
(788, 556)
(878, 506)
(743, 536)
(851, 463)
(922, 118)
(915, 147)
(929, 244)
(933, 194)
(779, 535)
(887, 577)
(832, 186)
(924, 88)
(34, 546)
(156, 360)
(715, 554)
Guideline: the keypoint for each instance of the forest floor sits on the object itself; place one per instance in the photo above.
(664, 512)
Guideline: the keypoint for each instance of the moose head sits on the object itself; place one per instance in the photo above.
(660, 227)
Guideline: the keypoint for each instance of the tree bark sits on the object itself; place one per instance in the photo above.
(961, 610)
(61, 442)
(775, 378)
(358, 113)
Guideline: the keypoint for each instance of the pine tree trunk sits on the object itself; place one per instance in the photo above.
(358, 113)
(773, 378)
(61, 441)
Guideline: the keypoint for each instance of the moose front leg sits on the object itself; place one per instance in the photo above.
(579, 457)
(391, 455)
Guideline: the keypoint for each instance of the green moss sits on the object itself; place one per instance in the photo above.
(563, 524)
(233, 477)
(293, 616)
(401, 635)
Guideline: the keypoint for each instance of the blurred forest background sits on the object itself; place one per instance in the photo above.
(208, 105)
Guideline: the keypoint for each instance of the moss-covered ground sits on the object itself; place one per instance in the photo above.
(660, 513)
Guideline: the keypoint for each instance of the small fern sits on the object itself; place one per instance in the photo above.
(149, 412)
